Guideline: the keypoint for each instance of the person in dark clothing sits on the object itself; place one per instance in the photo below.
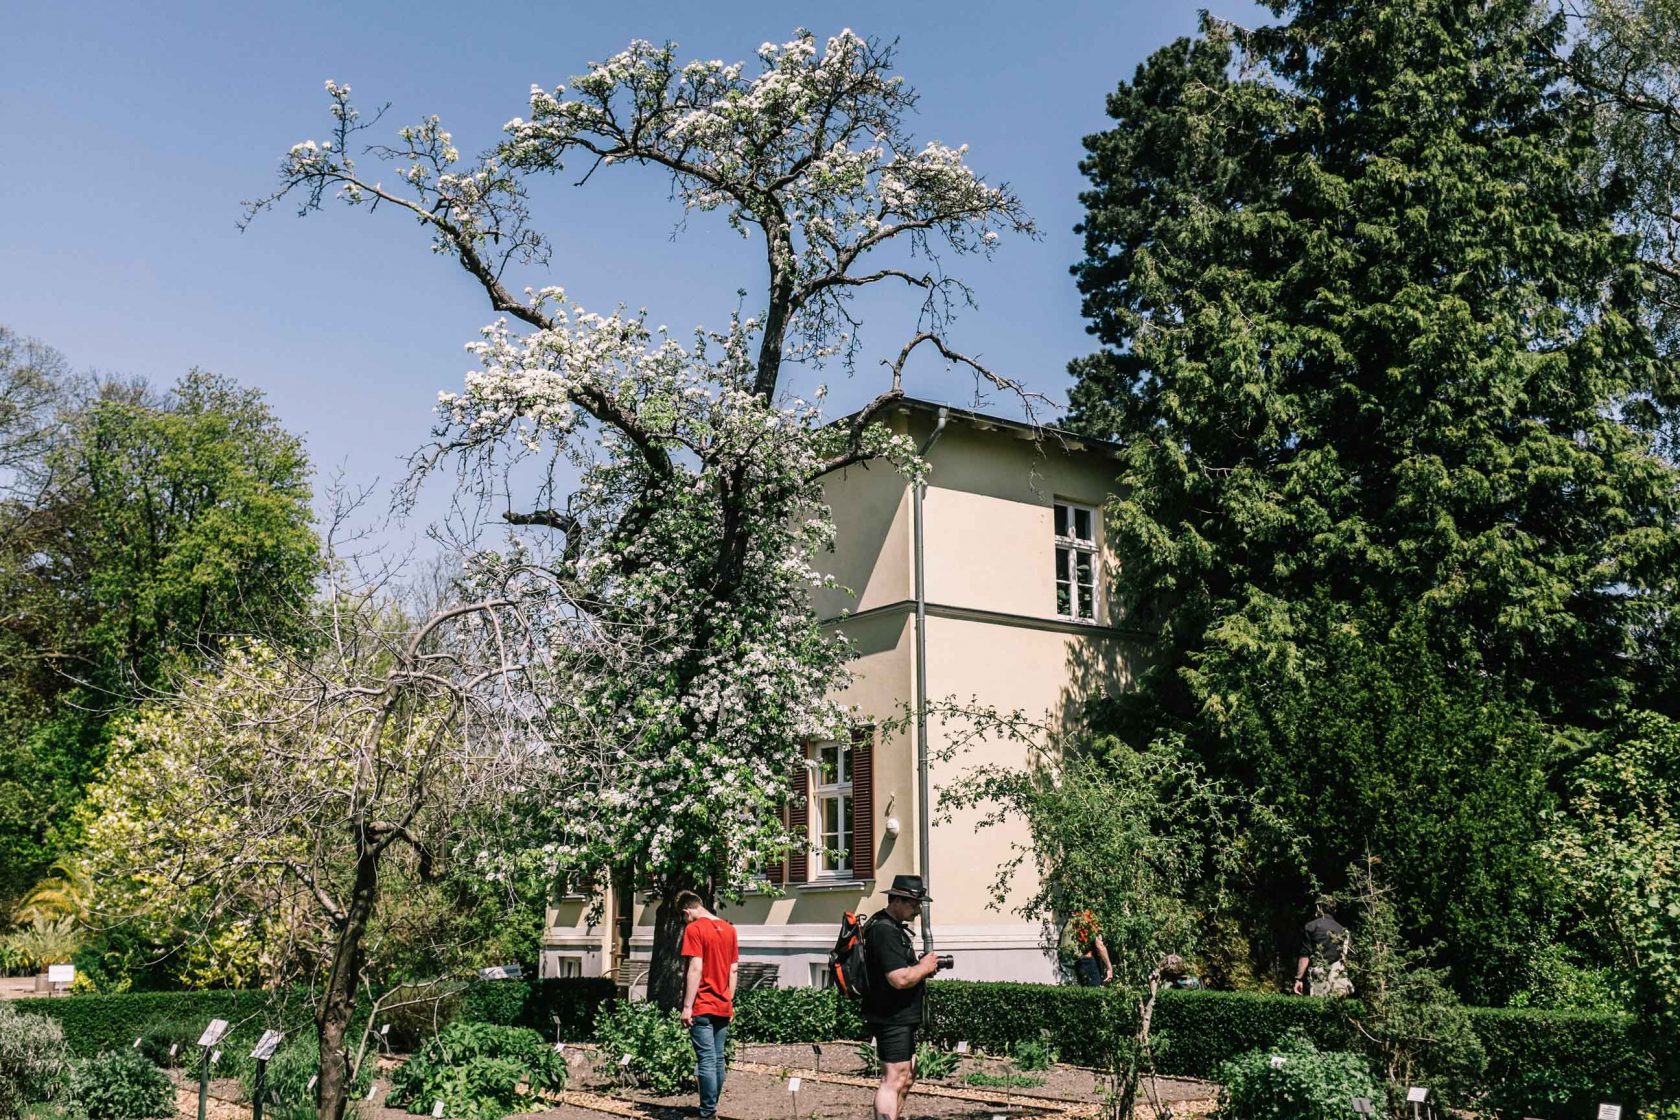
(1321, 964)
(896, 999)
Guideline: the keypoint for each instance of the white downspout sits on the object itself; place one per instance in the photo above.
(923, 825)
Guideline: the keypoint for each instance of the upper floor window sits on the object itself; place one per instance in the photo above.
(834, 809)
(1076, 562)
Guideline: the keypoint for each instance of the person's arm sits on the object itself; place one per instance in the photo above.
(691, 988)
(734, 978)
(912, 974)
(1102, 955)
(1301, 973)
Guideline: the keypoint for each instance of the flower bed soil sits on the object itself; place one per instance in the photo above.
(760, 1092)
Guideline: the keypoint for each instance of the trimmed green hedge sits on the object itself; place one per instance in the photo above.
(563, 1008)
(93, 1024)
(1536, 1059)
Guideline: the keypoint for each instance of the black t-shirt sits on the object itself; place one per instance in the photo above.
(891, 947)
(1322, 939)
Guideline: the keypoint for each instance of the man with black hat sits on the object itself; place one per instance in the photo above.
(895, 1002)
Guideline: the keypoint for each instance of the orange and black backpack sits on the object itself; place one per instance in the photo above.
(848, 961)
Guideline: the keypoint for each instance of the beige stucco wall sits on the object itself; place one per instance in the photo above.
(992, 635)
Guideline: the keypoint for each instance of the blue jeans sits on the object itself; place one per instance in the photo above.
(710, 1033)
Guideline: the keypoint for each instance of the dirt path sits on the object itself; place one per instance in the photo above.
(758, 1088)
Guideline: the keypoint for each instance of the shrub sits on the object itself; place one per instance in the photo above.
(1035, 1053)
(785, 1015)
(871, 1059)
(34, 1060)
(1306, 1085)
(290, 1072)
(661, 1056)
(94, 1024)
(933, 1063)
(563, 1007)
(121, 1085)
(501, 1002)
(476, 1070)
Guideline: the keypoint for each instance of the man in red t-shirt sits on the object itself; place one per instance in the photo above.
(708, 1004)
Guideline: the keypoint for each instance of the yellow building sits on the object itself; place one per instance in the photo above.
(1015, 612)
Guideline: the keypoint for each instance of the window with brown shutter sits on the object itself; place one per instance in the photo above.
(863, 803)
(799, 823)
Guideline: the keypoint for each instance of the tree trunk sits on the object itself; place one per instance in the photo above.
(665, 974)
(332, 1088)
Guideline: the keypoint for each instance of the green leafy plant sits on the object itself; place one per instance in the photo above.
(290, 1073)
(481, 1071)
(871, 1059)
(1294, 1080)
(661, 1056)
(1002, 1080)
(1035, 1053)
(34, 1060)
(934, 1063)
(121, 1085)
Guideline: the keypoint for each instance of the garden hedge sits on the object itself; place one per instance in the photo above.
(97, 1023)
(563, 1008)
(1534, 1057)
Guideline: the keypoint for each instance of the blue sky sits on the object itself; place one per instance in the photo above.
(132, 132)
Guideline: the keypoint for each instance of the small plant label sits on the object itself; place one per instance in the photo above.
(624, 1062)
(437, 1109)
(1609, 1112)
(267, 1045)
(559, 1047)
(310, 1088)
(962, 1047)
(1418, 1094)
(215, 1056)
(793, 1084)
(173, 1047)
(815, 1049)
(386, 1029)
(213, 1033)
(1277, 1061)
(373, 1090)
(137, 1042)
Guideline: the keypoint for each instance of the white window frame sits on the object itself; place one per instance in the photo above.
(821, 977)
(1068, 548)
(840, 792)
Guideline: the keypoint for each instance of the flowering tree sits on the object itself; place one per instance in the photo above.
(291, 792)
(690, 534)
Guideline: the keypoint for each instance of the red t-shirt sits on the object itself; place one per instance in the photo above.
(713, 941)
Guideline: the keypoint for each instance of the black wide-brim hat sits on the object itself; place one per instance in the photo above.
(909, 886)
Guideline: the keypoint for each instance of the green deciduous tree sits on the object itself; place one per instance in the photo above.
(1377, 347)
(138, 531)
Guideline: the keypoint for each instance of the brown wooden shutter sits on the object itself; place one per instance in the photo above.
(777, 871)
(799, 822)
(863, 803)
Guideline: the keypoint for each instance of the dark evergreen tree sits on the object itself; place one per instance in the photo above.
(1373, 341)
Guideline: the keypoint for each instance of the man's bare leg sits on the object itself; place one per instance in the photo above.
(895, 1084)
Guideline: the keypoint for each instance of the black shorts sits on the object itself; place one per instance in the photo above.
(895, 1042)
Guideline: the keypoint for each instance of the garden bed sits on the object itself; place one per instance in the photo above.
(757, 1089)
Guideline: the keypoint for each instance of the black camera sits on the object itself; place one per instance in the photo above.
(946, 961)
